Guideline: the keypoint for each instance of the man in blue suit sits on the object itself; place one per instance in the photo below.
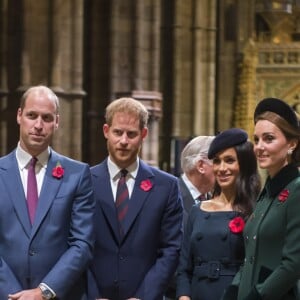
(138, 261)
(44, 257)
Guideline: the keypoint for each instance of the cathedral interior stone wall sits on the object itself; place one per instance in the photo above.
(199, 66)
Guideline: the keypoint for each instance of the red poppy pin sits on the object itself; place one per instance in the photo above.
(283, 195)
(237, 225)
(58, 171)
(146, 185)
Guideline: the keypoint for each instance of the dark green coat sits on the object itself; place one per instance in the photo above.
(272, 241)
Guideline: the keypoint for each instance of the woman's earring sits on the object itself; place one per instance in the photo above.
(290, 151)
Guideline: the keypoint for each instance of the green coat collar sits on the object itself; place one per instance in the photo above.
(275, 185)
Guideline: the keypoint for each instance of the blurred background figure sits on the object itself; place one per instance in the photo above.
(197, 181)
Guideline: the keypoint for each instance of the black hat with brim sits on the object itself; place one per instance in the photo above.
(278, 107)
(227, 139)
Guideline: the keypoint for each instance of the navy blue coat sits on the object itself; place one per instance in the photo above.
(141, 263)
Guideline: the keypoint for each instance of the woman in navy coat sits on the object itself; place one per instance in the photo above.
(213, 248)
(272, 234)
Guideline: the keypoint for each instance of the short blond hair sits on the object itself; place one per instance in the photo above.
(130, 106)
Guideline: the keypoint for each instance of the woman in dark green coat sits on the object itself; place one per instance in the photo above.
(272, 233)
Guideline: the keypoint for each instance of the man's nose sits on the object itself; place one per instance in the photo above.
(124, 138)
(38, 122)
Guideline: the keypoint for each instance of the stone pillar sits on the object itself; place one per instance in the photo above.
(66, 76)
(52, 34)
(204, 37)
(136, 60)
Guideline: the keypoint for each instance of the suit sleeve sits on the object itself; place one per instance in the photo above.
(74, 261)
(158, 277)
(8, 282)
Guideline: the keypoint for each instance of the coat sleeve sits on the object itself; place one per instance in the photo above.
(76, 258)
(8, 282)
(283, 279)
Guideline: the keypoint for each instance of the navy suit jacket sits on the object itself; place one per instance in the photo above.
(187, 198)
(141, 263)
(57, 248)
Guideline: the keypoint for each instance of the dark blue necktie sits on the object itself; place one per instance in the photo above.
(122, 199)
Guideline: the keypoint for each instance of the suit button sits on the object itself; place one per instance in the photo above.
(115, 281)
(251, 260)
(32, 252)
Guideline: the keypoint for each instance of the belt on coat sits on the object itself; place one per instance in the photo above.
(215, 269)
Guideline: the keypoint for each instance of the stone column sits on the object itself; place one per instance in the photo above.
(66, 73)
(204, 37)
(135, 62)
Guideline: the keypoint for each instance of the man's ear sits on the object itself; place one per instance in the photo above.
(144, 132)
(200, 167)
(105, 130)
(57, 121)
(19, 113)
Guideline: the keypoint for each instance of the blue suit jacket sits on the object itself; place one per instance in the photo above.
(57, 248)
(142, 262)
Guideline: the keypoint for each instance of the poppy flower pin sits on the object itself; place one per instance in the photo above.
(236, 225)
(146, 185)
(58, 171)
(284, 194)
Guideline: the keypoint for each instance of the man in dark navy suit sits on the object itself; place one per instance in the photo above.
(134, 258)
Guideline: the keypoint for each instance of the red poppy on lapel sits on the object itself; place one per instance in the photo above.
(146, 185)
(58, 171)
(237, 225)
(283, 195)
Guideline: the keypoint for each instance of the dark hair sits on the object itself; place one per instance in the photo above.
(248, 181)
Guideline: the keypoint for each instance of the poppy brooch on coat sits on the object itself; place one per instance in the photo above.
(283, 195)
(236, 225)
(58, 171)
(146, 185)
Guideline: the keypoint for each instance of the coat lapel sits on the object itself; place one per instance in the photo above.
(48, 192)
(139, 196)
(104, 196)
(14, 187)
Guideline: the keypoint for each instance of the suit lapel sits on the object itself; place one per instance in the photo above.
(138, 196)
(104, 196)
(48, 192)
(14, 187)
(188, 200)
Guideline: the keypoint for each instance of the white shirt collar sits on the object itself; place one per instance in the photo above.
(114, 170)
(193, 190)
(24, 157)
